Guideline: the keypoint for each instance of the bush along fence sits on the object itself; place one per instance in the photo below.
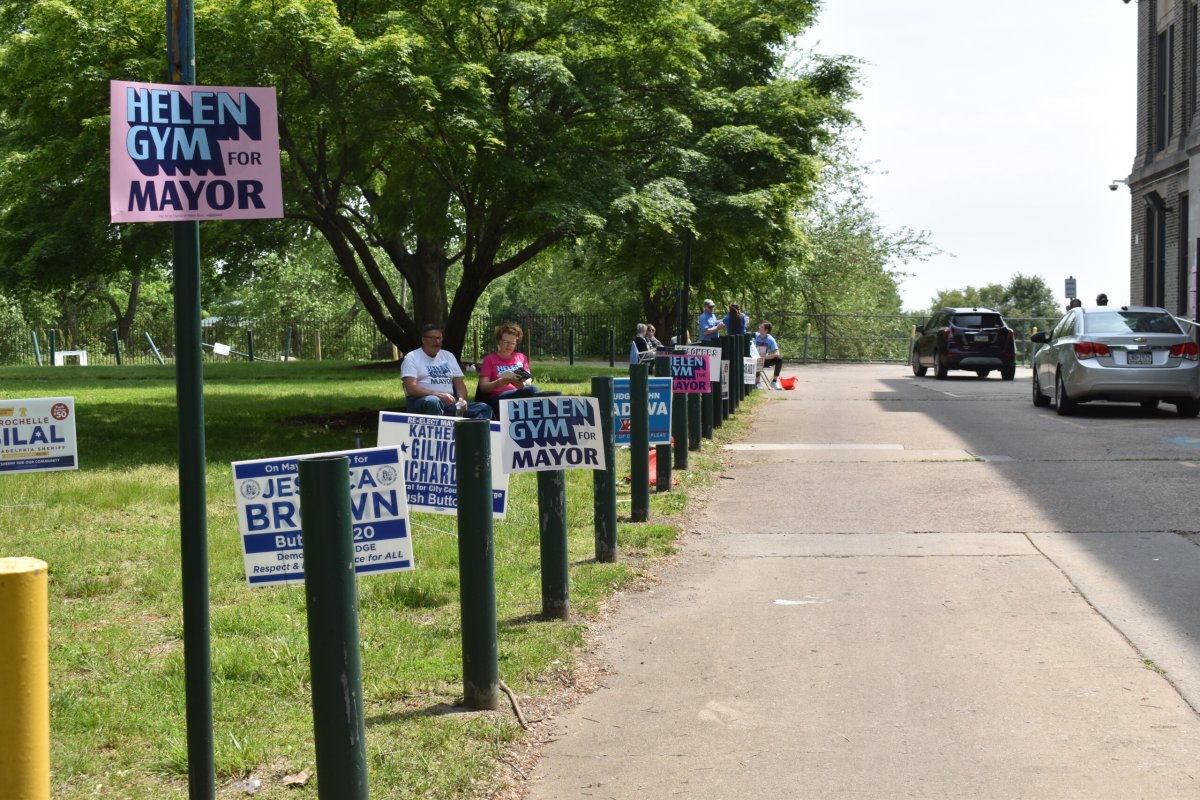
(337, 538)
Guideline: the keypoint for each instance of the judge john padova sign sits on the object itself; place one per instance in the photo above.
(193, 153)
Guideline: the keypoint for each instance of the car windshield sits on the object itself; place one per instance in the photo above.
(1131, 322)
(977, 321)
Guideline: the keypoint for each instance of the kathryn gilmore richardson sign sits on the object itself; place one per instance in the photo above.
(193, 153)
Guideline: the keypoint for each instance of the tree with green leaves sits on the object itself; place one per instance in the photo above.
(1023, 296)
(439, 145)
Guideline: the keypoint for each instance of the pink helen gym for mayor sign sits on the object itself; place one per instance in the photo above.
(179, 152)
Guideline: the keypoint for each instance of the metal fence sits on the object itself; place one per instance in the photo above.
(808, 338)
(885, 338)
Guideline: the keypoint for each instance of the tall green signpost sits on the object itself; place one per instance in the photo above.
(189, 397)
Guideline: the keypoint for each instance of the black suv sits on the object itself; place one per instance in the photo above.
(974, 339)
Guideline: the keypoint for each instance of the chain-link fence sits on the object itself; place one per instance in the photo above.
(801, 337)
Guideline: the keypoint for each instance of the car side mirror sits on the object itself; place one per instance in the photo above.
(1041, 337)
(920, 329)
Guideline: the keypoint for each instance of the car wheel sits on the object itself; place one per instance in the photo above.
(1040, 400)
(1187, 408)
(1149, 405)
(983, 373)
(1062, 402)
(1008, 373)
(940, 367)
(917, 368)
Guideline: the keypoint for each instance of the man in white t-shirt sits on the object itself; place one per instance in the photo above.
(433, 381)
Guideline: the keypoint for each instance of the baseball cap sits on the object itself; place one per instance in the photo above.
(708, 303)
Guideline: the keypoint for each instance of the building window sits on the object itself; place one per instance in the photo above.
(1189, 67)
(1154, 256)
(1163, 89)
(1181, 292)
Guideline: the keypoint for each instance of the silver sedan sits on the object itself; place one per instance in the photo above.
(1132, 354)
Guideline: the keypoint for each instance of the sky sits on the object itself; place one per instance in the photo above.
(997, 128)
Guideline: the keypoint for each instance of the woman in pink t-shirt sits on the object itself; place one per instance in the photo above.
(505, 374)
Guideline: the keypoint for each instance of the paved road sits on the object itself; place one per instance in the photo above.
(907, 587)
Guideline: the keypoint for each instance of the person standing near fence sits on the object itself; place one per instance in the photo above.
(433, 380)
(710, 326)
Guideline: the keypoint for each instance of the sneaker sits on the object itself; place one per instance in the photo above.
(776, 385)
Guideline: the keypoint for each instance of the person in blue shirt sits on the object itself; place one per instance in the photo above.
(710, 326)
(768, 350)
(735, 321)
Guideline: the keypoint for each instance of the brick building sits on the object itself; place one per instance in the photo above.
(1164, 185)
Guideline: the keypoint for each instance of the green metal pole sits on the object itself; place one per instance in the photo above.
(717, 419)
(639, 441)
(679, 428)
(154, 349)
(743, 346)
(662, 477)
(709, 402)
(552, 527)
(612, 348)
(721, 403)
(53, 344)
(604, 481)
(189, 399)
(250, 346)
(476, 564)
(116, 346)
(571, 347)
(37, 351)
(694, 404)
(339, 729)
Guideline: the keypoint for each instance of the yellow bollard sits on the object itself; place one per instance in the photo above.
(24, 680)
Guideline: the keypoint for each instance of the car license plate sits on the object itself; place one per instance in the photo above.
(1139, 357)
(982, 337)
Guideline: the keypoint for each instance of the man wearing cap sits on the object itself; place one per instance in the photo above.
(710, 326)
(1102, 299)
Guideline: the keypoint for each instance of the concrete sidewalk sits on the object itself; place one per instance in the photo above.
(809, 645)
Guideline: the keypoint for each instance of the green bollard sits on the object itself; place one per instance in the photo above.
(693, 417)
(116, 346)
(476, 564)
(639, 442)
(333, 649)
(552, 528)
(710, 400)
(723, 400)
(679, 428)
(604, 481)
(662, 452)
(743, 344)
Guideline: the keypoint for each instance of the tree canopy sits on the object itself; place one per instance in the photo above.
(438, 145)
(1023, 296)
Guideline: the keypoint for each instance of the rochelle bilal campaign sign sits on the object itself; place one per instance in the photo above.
(551, 433)
(38, 435)
(268, 509)
(430, 461)
(180, 152)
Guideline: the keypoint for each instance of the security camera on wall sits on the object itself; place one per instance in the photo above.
(1113, 186)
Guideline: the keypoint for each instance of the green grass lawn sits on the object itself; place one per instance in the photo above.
(110, 533)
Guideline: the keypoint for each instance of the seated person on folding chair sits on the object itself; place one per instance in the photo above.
(505, 373)
(768, 350)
